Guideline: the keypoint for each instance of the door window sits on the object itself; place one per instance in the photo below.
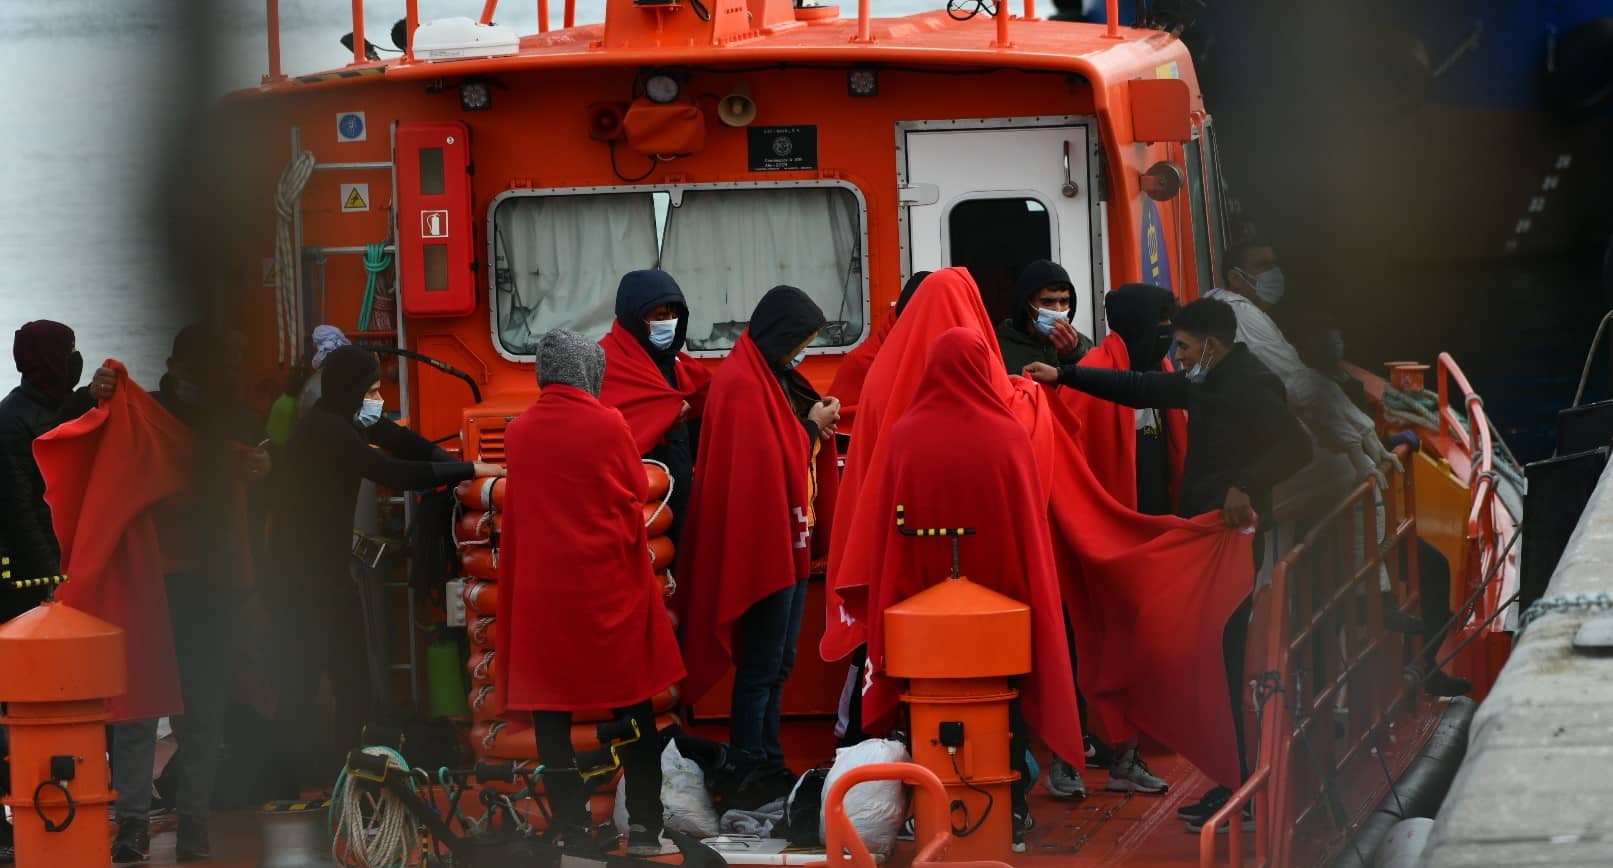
(995, 238)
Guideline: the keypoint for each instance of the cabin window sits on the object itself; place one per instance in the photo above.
(994, 238)
(558, 258)
(1201, 217)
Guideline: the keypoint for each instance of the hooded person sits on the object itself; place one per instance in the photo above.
(47, 356)
(762, 502)
(960, 458)
(326, 340)
(314, 605)
(658, 388)
(582, 624)
(1137, 455)
(1040, 329)
(853, 370)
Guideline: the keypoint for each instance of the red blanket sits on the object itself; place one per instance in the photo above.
(635, 386)
(106, 473)
(853, 372)
(945, 299)
(1108, 435)
(581, 622)
(752, 524)
(959, 458)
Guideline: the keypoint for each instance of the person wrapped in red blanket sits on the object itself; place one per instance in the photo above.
(581, 620)
(660, 389)
(959, 458)
(848, 382)
(764, 495)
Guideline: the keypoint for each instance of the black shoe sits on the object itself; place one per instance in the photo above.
(1248, 825)
(1099, 755)
(1023, 823)
(578, 840)
(193, 845)
(8, 853)
(1207, 804)
(1439, 684)
(133, 843)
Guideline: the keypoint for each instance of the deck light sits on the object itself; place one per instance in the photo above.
(862, 81)
(661, 88)
(475, 95)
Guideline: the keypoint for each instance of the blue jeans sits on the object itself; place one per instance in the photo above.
(764, 653)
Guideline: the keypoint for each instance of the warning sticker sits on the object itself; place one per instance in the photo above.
(355, 197)
(433, 224)
(270, 277)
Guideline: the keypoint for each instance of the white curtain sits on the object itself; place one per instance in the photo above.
(727, 248)
(560, 258)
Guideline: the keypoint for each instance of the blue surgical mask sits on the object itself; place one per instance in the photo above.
(799, 357)
(186, 392)
(1046, 319)
(1198, 372)
(1269, 286)
(370, 413)
(662, 332)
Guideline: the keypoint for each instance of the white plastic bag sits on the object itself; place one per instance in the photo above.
(876, 808)
(685, 802)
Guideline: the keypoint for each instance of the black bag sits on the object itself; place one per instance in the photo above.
(805, 807)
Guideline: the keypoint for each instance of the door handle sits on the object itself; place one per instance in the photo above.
(1070, 189)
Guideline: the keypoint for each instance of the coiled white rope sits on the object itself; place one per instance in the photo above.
(288, 293)
(371, 830)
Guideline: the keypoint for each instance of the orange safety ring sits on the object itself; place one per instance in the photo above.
(661, 552)
(482, 494)
(657, 518)
(480, 666)
(479, 562)
(482, 597)
(478, 527)
(660, 483)
(481, 630)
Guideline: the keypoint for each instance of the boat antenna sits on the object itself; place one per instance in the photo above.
(956, 534)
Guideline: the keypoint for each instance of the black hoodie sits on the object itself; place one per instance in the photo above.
(1135, 311)
(638, 293)
(1017, 335)
(783, 319)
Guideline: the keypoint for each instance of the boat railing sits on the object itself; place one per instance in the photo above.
(1327, 683)
(569, 19)
(1488, 518)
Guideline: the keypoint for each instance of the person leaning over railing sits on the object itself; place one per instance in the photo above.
(1241, 441)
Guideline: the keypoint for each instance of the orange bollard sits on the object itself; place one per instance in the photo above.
(61, 665)
(957, 643)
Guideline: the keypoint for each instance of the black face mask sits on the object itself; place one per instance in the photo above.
(1162, 343)
(75, 371)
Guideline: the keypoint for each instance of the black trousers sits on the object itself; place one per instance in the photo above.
(1234, 642)
(641, 763)
(1019, 744)
(318, 634)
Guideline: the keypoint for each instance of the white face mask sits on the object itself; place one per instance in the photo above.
(1046, 319)
(370, 413)
(799, 357)
(1268, 284)
(1198, 372)
(662, 332)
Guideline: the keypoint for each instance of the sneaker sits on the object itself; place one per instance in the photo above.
(193, 845)
(1099, 755)
(133, 843)
(1130, 774)
(1438, 683)
(1248, 825)
(909, 830)
(1064, 781)
(1023, 823)
(1207, 804)
(642, 843)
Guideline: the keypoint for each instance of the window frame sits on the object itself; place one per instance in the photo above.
(676, 191)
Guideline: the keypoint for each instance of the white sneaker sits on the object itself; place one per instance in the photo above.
(1130, 775)
(1064, 781)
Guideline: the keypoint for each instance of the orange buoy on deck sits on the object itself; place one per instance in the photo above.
(957, 643)
(61, 666)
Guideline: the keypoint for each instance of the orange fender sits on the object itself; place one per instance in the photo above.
(661, 552)
(482, 494)
(479, 562)
(482, 597)
(657, 523)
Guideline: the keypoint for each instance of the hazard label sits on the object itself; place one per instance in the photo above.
(271, 276)
(355, 197)
(433, 224)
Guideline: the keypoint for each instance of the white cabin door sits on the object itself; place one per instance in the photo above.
(993, 195)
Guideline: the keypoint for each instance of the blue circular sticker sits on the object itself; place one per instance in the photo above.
(351, 126)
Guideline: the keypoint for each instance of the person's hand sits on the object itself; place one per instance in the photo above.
(1374, 449)
(683, 412)
(1064, 336)
(103, 384)
(483, 469)
(257, 464)
(1042, 373)
(825, 414)
(1238, 511)
(1365, 468)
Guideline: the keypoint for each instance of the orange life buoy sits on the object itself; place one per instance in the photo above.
(481, 494)
(657, 518)
(477, 527)
(482, 597)
(480, 666)
(481, 697)
(668, 586)
(481, 630)
(661, 552)
(659, 482)
(479, 562)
